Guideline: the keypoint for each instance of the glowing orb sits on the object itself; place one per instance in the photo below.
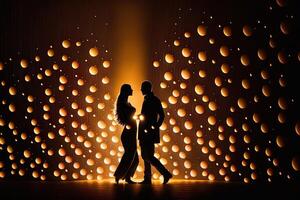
(202, 73)
(264, 74)
(89, 99)
(156, 64)
(187, 164)
(201, 30)
(218, 81)
(262, 55)
(2, 141)
(187, 35)
(12, 91)
(225, 68)
(264, 128)
(296, 163)
(80, 82)
(282, 57)
(169, 58)
(172, 100)
(202, 56)
(90, 162)
(282, 103)
(229, 121)
(1, 66)
(188, 125)
(48, 72)
(183, 86)
(224, 51)
(63, 80)
(186, 52)
(199, 89)
(62, 112)
(212, 106)
(94, 52)
(181, 112)
(50, 52)
(281, 3)
(247, 30)
(281, 118)
(227, 31)
(61, 152)
(185, 74)
(199, 109)
(297, 128)
(266, 90)
(176, 43)
(105, 80)
(168, 76)
(245, 60)
(27, 78)
(285, 27)
(101, 124)
(66, 44)
(24, 63)
(93, 70)
(280, 141)
(12, 108)
(37, 58)
(93, 88)
(75, 92)
(203, 164)
(27, 154)
(175, 93)
(242, 103)
(75, 65)
(35, 174)
(78, 44)
(212, 120)
(245, 84)
(106, 64)
(51, 135)
(64, 58)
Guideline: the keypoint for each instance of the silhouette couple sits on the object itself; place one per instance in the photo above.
(152, 117)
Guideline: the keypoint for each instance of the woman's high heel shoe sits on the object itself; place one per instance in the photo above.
(129, 181)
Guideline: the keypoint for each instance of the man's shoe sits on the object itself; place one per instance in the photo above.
(145, 182)
(129, 181)
(167, 177)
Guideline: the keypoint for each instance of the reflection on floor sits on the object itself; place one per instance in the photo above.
(176, 189)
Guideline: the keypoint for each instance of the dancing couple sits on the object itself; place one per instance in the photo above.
(148, 134)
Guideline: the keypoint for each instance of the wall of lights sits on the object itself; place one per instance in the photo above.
(230, 112)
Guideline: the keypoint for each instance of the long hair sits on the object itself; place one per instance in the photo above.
(121, 105)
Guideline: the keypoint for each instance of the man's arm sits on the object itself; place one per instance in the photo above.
(161, 113)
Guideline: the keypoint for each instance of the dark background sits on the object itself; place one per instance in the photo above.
(28, 27)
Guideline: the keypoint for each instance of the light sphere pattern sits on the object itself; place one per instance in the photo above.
(226, 99)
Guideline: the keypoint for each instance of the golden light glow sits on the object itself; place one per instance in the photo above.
(213, 129)
(129, 62)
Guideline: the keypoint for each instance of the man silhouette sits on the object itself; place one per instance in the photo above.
(153, 115)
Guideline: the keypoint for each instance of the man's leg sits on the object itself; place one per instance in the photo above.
(147, 173)
(156, 163)
(146, 157)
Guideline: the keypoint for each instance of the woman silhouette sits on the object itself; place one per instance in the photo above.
(124, 114)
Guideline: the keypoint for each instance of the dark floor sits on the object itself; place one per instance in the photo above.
(175, 190)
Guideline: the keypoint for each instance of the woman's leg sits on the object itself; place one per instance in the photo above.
(133, 166)
(133, 156)
(123, 165)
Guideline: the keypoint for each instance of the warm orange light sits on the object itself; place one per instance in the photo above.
(129, 63)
